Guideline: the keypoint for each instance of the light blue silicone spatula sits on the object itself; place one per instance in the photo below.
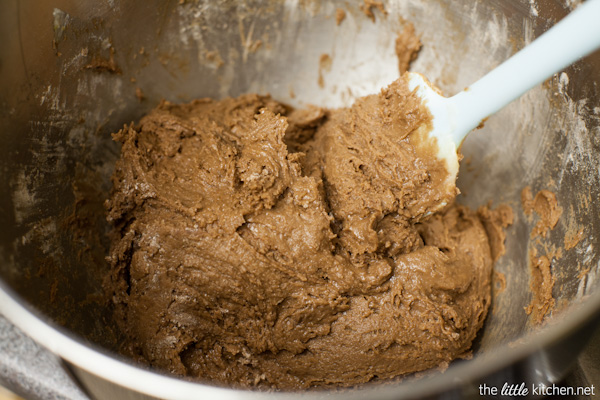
(575, 36)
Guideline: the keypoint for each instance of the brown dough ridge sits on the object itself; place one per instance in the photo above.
(495, 222)
(258, 246)
(541, 285)
(545, 205)
(368, 6)
(340, 16)
(542, 281)
(407, 47)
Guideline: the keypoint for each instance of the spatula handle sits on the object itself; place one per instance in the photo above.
(575, 36)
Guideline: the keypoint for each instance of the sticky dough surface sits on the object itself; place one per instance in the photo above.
(259, 246)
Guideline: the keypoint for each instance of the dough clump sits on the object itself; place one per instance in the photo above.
(255, 245)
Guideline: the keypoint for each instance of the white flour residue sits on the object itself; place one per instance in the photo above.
(587, 283)
(51, 97)
(576, 152)
(23, 199)
(572, 3)
(563, 82)
(60, 23)
(191, 26)
(496, 32)
(533, 8)
(45, 232)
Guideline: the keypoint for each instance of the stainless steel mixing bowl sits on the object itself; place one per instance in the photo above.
(72, 72)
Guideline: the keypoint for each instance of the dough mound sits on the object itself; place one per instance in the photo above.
(259, 246)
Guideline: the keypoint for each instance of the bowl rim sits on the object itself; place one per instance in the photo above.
(116, 369)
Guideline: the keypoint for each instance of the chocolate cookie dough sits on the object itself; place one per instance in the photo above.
(259, 246)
